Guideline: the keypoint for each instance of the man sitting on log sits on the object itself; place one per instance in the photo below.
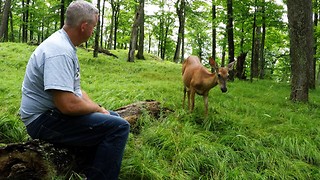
(54, 108)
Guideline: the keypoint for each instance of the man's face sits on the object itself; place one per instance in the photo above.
(88, 28)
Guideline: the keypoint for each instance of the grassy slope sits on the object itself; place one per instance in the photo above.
(252, 132)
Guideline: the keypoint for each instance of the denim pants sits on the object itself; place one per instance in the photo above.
(105, 136)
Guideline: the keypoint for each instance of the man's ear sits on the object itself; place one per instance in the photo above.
(83, 26)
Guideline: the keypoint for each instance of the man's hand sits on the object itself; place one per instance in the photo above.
(103, 110)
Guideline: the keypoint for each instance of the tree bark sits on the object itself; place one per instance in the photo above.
(102, 23)
(240, 68)
(110, 40)
(134, 33)
(4, 21)
(25, 20)
(180, 9)
(263, 38)
(41, 160)
(116, 24)
(301, 47)
(312, 80)
(230, 36)
(241, 59)
(141, 32)
(62, 13)
(214, 31)
(252, 73)
(96, 40)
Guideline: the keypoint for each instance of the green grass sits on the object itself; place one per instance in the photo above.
(252, 132)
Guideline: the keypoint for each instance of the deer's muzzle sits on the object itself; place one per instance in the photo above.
(224, 89)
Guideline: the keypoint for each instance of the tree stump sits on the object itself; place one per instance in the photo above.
(37, 159)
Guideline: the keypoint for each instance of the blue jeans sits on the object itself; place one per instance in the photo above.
(105, 136)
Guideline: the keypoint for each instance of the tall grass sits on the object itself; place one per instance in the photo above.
(252, 132)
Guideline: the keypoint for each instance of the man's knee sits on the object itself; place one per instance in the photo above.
(125, 126)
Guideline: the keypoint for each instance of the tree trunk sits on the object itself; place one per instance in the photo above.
(62, 13)
(181, 15)
(168, 24)
(133, 38)
(224, 49)
(110, 40)
(312, 80)
(240, 66)
(102, 24)
(230, 35)
(116, 24)
(256, 53)
(4, 21)
(11, 26)
(301, 47)
(96, 40)
(253, 42)
(263, 37)
(141, 32)
(25, 21)
(39, 160)
(214, 31)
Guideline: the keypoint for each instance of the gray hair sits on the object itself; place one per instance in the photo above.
(80, 11)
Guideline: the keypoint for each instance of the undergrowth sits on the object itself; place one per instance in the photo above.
(252, 132)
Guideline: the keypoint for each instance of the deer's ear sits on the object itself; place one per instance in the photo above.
(213, 63)
(230, 65)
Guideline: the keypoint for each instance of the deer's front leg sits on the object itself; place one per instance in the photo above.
(184, 96)
(205, 99)
(192, 94)
(188, 94)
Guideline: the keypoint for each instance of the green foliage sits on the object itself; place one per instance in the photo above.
(252, 132)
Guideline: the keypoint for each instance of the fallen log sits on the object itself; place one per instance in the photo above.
(107, 52)
(37, 159)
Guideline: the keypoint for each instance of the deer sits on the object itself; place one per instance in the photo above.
(197, 79)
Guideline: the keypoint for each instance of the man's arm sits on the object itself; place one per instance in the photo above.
(70, 104)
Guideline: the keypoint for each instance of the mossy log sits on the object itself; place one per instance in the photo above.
(37, 159)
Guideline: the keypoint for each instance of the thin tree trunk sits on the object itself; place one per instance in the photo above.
(253, 42)
(256, 53)
(116, 24)
(180, 12)
(182, 43)
(96, 40)
(240, 66)
(62, 13)
(110, 40)
(224, 49)
(11, 26)
(214, 31)
(312, 80)
(141, 32)
(102, 24)
(263, 37)
(230, 36)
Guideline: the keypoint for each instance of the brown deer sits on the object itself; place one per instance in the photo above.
(197, 79)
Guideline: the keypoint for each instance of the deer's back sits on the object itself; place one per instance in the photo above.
(194, 71)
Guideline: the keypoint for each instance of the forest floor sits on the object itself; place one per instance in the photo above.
(252, 132)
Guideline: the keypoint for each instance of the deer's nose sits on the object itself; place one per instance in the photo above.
(224, 89)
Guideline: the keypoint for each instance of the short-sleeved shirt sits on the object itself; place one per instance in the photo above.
(53, 65)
